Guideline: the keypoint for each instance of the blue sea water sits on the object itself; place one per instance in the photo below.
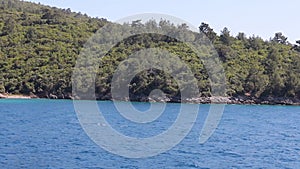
(47, 134)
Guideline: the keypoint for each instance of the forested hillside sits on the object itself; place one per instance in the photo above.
(39, 46)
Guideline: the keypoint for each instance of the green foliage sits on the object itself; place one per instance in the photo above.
(39, 46)
(208, 31)
(225, 37)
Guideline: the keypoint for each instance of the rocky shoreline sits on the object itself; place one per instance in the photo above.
(202, 100)
(225, 100)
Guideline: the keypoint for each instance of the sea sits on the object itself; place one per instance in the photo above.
(41, 133)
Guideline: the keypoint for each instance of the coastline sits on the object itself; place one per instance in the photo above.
(15, 96)
(242, 100)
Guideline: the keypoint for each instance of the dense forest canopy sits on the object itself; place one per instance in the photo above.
(39, 46)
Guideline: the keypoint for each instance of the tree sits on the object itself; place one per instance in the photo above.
(2, 88)
(297, 46)
(255, 43)
(151, 25)
(225, 36)
(209, 32)
(274, 71)
(241, 36)
(9, 26)
(183, 26)
(31, 34)
(280, 38)
(137, 23)
(292, 82)
(256, 82)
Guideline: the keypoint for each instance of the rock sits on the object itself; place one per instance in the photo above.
(33, 96)
(52, 96)
(219, 99)
(2, 96)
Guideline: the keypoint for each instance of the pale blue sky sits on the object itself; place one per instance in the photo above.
(259, 17)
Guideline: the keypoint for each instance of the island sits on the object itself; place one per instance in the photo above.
(39, 46)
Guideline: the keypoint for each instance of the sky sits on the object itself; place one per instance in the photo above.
(253, 17)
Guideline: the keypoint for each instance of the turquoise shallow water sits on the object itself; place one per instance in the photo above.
(47, 134)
